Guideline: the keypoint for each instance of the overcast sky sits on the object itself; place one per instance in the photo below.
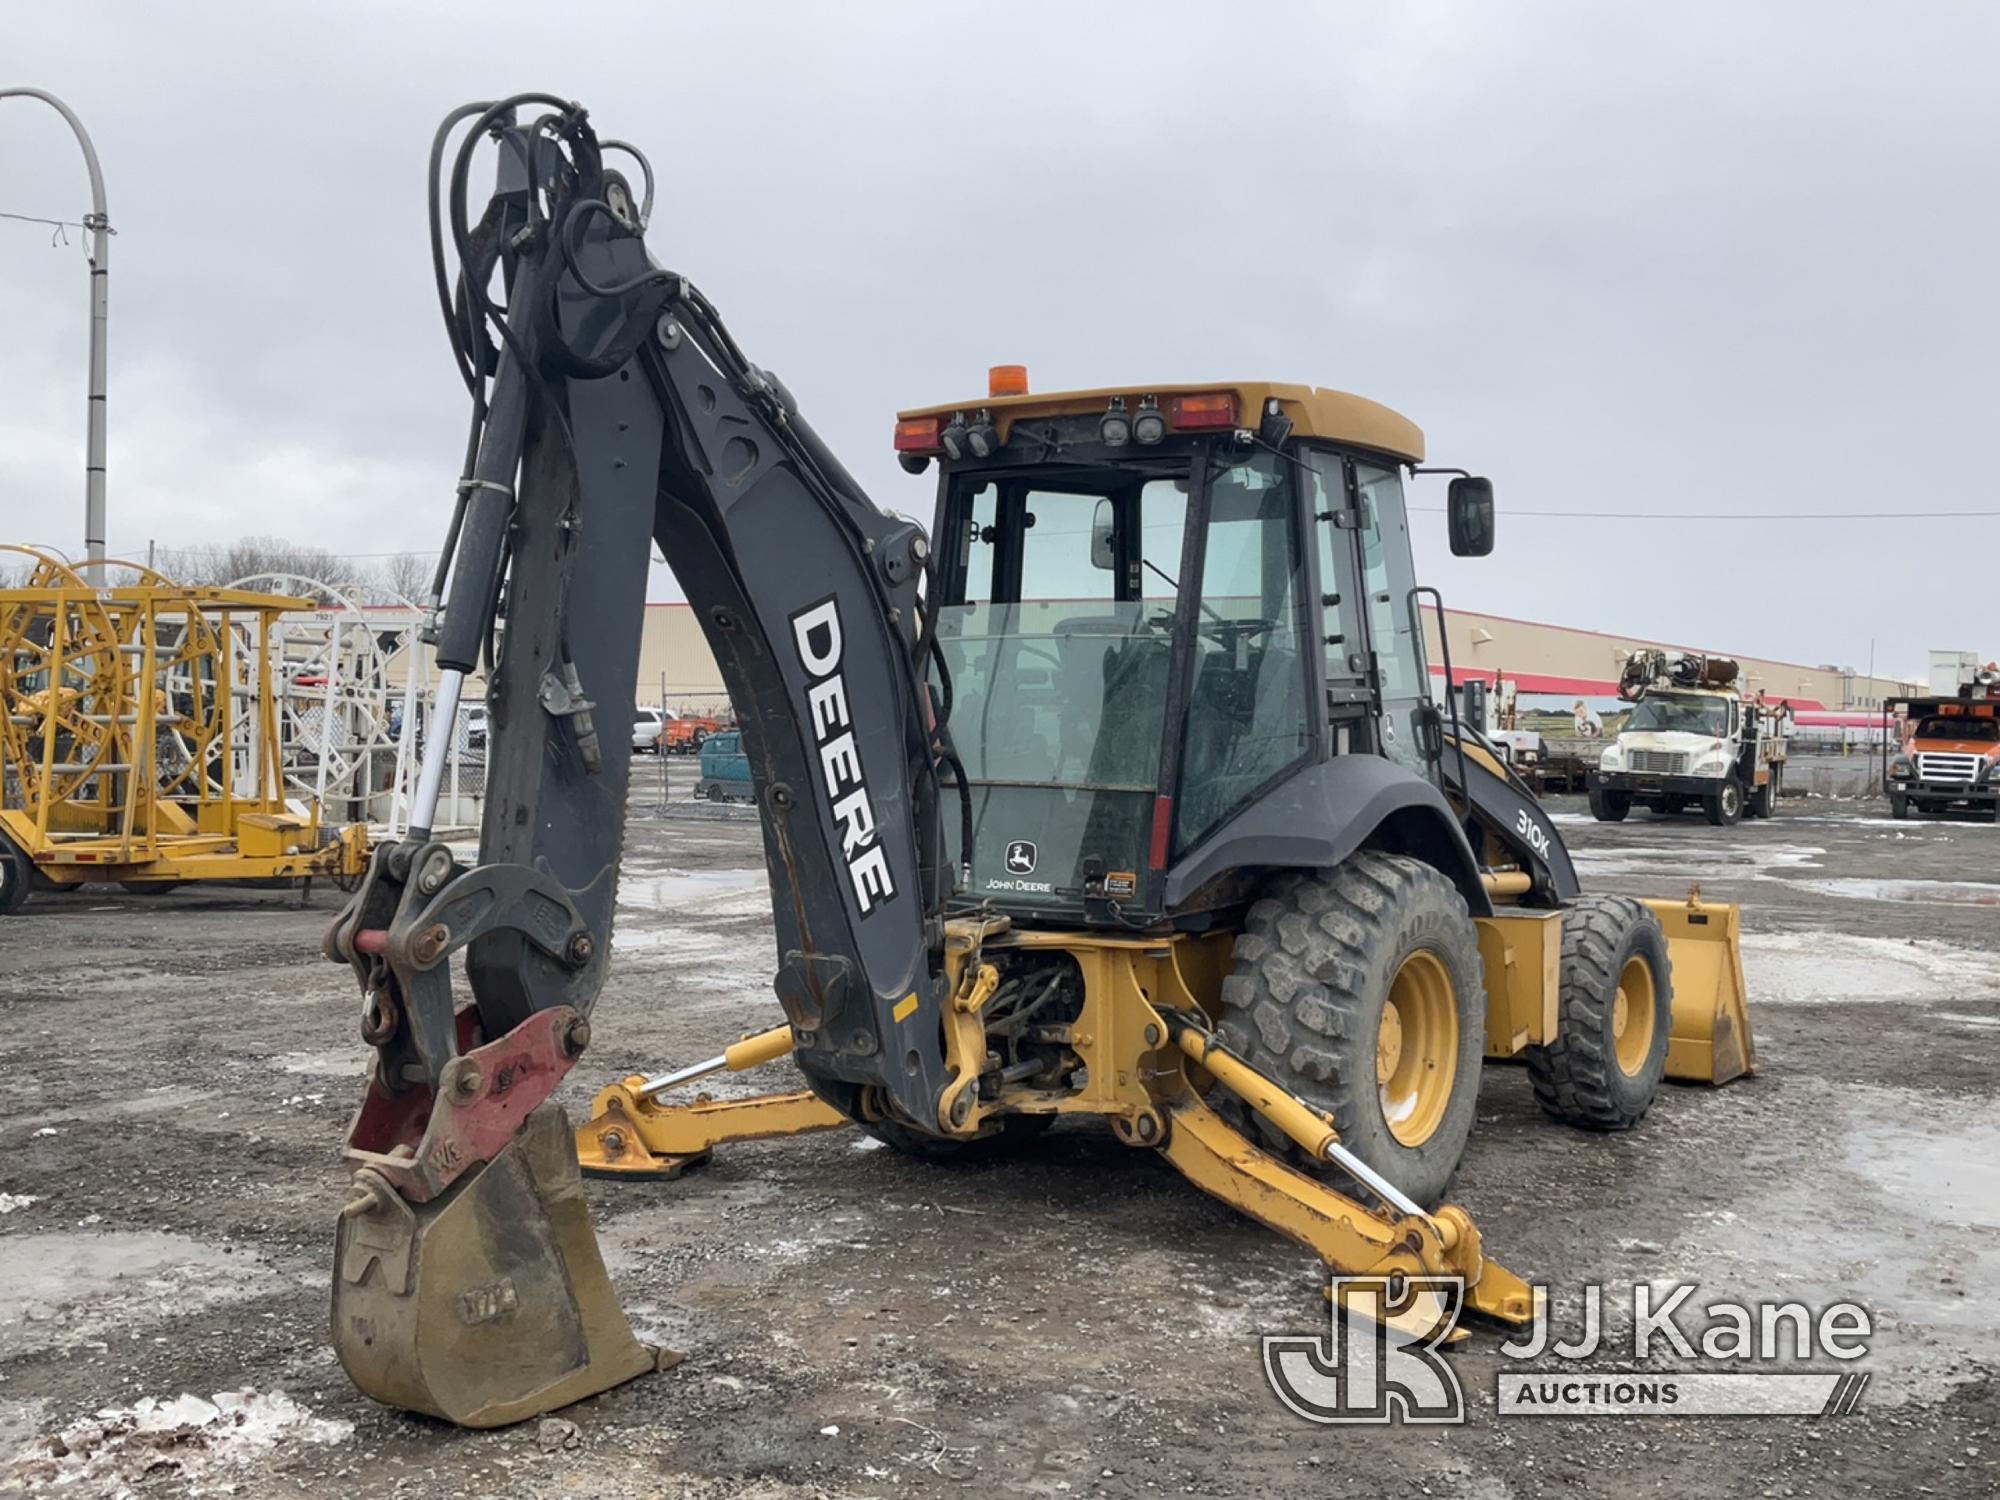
(1712, 258)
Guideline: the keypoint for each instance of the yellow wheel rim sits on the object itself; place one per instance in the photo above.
(1416, 1049)
(1632, 1017)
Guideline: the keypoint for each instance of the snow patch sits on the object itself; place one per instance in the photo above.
(643, 886)
(1699, 861)
(61, 1289)
(1918, 892)
(136, 1444)
(1813, 968)
(334, 1062)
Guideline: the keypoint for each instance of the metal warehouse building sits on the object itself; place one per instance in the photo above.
(1562, 662)
(1557, 663)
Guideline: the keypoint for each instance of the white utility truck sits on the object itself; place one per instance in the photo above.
(1692, 739)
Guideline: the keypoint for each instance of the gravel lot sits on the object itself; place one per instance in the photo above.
(178, 1071)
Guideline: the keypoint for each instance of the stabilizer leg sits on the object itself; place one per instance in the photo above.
(1351, 1238)
(631, 1134)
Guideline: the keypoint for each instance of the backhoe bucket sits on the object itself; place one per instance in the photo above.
(1710, 1041)
(490, 1303)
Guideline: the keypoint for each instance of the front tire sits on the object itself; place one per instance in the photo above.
(1899, 806)
(1608, 806)
(1362, 991)
(1724, 805)
(1614, 1013)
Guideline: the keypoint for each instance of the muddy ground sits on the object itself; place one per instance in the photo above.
(176, 1073)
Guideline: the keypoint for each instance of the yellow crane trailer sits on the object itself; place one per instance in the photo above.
(139, 741)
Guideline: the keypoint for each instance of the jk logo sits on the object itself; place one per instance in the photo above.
(1380, 1362)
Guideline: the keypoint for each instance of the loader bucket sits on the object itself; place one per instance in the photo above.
(1710, 1041)
(490, 1303)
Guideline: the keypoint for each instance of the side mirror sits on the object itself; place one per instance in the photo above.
(1474, 691)
(1469, 509)
(1103, 551)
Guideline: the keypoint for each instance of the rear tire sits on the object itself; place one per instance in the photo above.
(16, 875)
(1608, 806)
(1613, 1017)
(1724, 806)
(1362, 991)
(147, 887)
(1764, 799)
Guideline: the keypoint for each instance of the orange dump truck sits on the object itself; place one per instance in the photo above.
(685, 734)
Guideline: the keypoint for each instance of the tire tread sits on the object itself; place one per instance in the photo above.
(1573, 1075)
(1299, 993)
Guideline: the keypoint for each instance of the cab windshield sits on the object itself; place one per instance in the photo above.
(1062, 595)
(1666, 713)
(1983, 730)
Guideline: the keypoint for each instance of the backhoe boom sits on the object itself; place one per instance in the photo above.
(615, 412)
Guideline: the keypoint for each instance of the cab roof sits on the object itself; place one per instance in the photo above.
(1331, 416)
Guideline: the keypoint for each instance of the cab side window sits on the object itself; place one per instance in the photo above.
(1247, 715)
(1339, 611)
(1387, 576)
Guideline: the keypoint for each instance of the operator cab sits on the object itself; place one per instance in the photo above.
(1156, 606)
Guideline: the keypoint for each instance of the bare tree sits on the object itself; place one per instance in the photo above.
(251, 556)
(408, 574)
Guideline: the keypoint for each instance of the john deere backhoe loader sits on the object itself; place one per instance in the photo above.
(1119, 793)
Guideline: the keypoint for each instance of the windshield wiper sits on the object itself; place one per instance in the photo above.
(1202, 604)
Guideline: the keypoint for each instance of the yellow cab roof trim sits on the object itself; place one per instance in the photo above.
(1331, 416)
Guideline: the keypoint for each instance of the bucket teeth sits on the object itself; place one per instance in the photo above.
(490, 1304)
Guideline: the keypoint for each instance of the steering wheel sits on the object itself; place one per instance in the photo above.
(1226, 633)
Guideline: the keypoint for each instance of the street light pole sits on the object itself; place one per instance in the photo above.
(98, 222)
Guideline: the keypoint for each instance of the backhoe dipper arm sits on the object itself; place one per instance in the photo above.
(620, 414)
